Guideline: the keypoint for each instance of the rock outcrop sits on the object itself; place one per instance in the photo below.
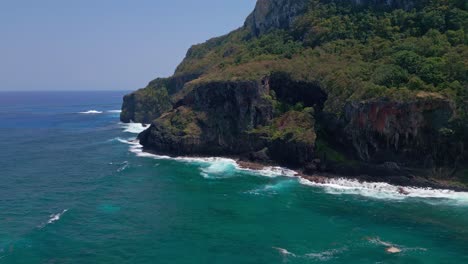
(145, 105)
(383, 131)
(274, 14)
(213, 119)
(207, 110)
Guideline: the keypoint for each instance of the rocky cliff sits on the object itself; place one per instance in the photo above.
(348, 103)
(274, 14)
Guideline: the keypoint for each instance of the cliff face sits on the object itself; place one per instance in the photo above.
(398, 131)
(213, 106)
(145, 105)
(212, 120)
(274, 14)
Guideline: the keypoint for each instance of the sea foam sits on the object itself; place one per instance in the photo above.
(381, 190)
(53, 218)
(215, 168)
(134, 128)
(91, 112)
(56, 217)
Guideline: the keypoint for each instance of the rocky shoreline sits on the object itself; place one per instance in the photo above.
(401, 181)
(270, 93)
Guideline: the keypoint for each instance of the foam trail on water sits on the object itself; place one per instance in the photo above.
(273, 188)
(326, 255)
(284, 252)
(91, 112)
(56, 217)
(114, 111)
(381, 190)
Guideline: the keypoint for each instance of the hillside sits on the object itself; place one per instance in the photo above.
(360, 87)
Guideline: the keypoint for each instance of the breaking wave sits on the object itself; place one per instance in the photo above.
(211, 167)
(91, 112)
(216, 168)
(381, 190)
(115, 111)
(134, 128)
(54, 218)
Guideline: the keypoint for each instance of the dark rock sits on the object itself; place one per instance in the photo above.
(213, 119)
(274, 14)
(389, 131)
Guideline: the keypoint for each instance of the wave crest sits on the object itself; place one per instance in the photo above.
(216, 168)
(91, 112)
(134, 128)
(381, 190)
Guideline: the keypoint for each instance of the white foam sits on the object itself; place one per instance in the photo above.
(393, 248)
(54, 218)
(325, 255)
(284, 252)
(270, 171)
(321, 256)
(221, 168)
(381, 190)
(270, 189)
(211, 167)
(215, 167)
(91, 112)
(134, 128)
(114, 111)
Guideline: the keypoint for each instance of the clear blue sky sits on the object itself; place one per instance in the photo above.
(104, 44)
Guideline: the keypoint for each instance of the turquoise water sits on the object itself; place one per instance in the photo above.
(72, 190)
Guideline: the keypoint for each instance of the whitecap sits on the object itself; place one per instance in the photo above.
(381, 190)
(221, 168)
(121, 140)
(134, 128)
(91, 112)
(54, 218)
(284, 252)
(114, 111)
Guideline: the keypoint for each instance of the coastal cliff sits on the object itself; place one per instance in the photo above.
(325, 87)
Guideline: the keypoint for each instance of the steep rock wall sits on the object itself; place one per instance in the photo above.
(212, 120)
(382, 131)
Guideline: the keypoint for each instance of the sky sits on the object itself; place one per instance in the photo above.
(105, 44)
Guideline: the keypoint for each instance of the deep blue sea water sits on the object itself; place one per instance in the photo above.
(74, 190)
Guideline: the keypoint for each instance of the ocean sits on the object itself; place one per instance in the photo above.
(75, 188)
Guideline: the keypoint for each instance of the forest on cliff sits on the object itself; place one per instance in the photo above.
(393, 56)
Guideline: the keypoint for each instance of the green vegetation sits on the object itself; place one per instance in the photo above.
(325, 152)
(181, 122)
(292, 126)
(147, 103)
(355, 52)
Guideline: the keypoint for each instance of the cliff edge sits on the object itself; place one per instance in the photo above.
(371, 89)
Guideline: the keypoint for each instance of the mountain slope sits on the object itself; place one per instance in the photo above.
(352, 87)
